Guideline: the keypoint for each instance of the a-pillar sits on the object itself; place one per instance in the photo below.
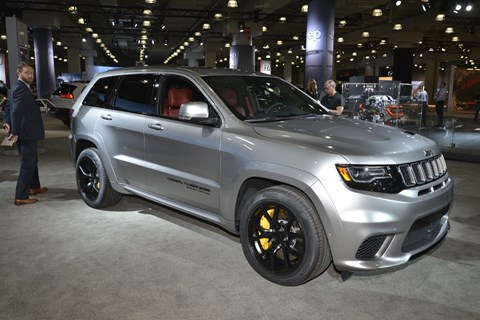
(44, 63)
(242, 52)
(320, 40)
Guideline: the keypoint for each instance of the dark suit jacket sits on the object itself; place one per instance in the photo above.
(25, 117)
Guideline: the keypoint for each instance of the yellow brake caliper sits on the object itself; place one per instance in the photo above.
(265, 225)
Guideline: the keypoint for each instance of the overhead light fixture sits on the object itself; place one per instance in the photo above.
(383, 41)
(265, 45)
(365, 34)
(304, 8)
(449, 30)
(232, 4)
(354, 54)
(398, 3)
(206, 26)
(147, 12)
(264, 28)
(88, 29)
(191, 39)
(94, 35)
(440, 17)
(218, 16)
(82, 21)
(150, 1)
(342, 23)
(84, 38)
(279, 42)
(147, 23)
(359, 45)
(340, 39)
(455, 39)
(425, 7)
(198, 34)
(397, 26)
(165, 41)
(282, 19)
(469, 7)
(377, 12)
(133, 22)
(72, 9)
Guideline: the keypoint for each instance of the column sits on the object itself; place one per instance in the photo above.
(242, 53)
(431, 78)
(89, 62)
(44, 63)
(320, 40)
(73, 56)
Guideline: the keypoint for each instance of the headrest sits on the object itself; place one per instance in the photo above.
(177, 96)
(230, 96)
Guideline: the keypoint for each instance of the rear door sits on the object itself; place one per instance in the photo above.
(121, 123)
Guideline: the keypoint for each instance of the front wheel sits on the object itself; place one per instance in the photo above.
(92, 180)
(282, 236)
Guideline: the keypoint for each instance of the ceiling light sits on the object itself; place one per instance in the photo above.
(191, 39)
(84, 39)
(340, 39)
(354, 54)
(198, 34)
(279, 42)
(147, 23)
(206, 26)
(398, 3)
(218, 16)
(282, 19)
(88, 29)
(150, 1)
(383, 41)
(440, 17)
(342, 23)
(365, 34)
(227, 45)
(147, 12)
(360, 45)
(265, 45)
(295, 37)
(425, 7)
(304, 8)
(397, 27)
(82, 21)
(232, 4)
(3, 37)
(455, 39)
(469, 7)
(264, 28)
(72, 10)
(94, 35)
(449, 30)
(377, 12)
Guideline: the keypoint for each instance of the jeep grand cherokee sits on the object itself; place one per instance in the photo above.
(258, 157)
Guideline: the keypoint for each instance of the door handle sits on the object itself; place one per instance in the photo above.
(106, 117)
(155, 126)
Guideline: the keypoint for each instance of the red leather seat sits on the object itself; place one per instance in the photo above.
(175, 98)
(230, 97)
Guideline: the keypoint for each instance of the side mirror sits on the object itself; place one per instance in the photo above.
(197, 112)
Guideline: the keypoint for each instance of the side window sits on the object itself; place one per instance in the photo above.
(135, 92)
(102, 93)
(177, 91)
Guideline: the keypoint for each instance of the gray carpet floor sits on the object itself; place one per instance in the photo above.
(60, 259)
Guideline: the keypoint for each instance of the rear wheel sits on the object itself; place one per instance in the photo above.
(282, 236)
(92, 180)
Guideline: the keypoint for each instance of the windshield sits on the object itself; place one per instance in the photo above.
(257, 98)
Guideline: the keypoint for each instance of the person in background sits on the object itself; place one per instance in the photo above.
(422, 97)
(332, 100)
(25, 126)
(439, 98)
(312, 89)
(477, 106)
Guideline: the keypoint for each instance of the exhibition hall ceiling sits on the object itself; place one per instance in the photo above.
(132, 30)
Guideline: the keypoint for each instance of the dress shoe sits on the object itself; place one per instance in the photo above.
(33, 191)
(19, 202)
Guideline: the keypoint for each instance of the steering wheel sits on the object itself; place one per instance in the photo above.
(275, 108)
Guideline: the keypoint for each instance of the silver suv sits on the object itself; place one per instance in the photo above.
(258, 157)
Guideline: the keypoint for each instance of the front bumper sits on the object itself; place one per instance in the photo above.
(371, 231)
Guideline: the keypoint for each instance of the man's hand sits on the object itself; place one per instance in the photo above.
(13, 138)
(6, 127)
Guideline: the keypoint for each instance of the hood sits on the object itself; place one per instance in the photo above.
(357, 141)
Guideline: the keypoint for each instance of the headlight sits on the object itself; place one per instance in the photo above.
(371, 178)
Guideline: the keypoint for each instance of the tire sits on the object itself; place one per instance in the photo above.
(92, 181)
(283, 237)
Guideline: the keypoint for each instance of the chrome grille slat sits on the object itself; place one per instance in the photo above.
(418, 173)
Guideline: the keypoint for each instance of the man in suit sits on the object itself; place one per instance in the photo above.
(24, 122)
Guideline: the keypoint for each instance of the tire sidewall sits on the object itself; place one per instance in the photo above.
(94, 156)
(303, 273)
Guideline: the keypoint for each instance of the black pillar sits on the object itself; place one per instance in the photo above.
(320, 40)
(44, 64)
(403, 64)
